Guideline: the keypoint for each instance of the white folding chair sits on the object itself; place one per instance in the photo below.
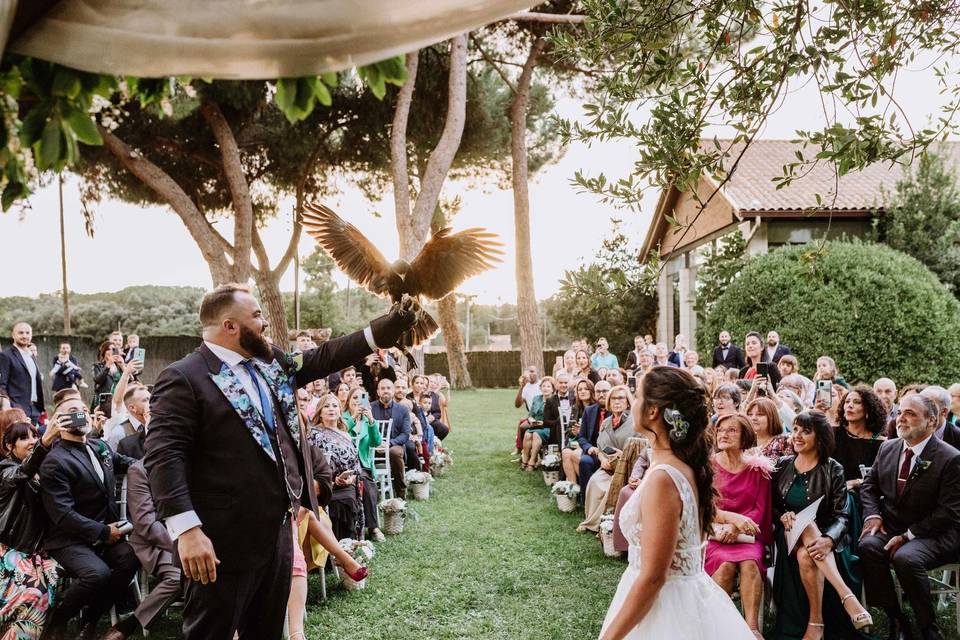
(381, 461)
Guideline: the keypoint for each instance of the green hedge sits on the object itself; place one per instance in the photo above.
(876, 311)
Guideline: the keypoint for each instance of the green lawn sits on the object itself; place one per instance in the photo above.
(488, 557)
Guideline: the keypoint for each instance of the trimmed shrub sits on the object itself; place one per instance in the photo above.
(875, 310)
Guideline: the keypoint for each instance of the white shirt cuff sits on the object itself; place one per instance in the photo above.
(909, 535)
(181, 523)
(869, 518)
(368, 334)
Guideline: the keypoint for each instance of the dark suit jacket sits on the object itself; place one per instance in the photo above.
(150, 539)
(202, 456)
(930, 503)
(78, 504)
(589, 427)
(733, 360)
(782, 350)
(15, 380)
(132, 445)
(674, 359)
(551, 418)
(951, 435)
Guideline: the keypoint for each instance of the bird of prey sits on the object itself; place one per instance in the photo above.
(443, 264)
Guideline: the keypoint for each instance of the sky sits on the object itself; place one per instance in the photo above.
(135, 245)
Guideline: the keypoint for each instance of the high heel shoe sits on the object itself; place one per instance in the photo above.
(359, 574)
(859, 620)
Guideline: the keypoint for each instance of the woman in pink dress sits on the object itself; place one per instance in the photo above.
(743, 523)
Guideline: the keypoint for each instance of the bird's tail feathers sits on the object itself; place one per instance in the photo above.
(423, 330)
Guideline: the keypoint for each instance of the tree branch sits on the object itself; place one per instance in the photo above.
(493, 63)
(443, 154)
(263, 260)
(239, 188)
(212, 245)
(398, 155)
(548, 18)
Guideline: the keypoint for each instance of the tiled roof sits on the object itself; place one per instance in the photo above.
(751, 188)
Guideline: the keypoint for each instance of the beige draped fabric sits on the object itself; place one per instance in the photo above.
(246, 39)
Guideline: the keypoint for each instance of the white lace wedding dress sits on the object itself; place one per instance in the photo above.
(690, 605)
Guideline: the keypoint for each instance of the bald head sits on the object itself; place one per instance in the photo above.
(886, 390)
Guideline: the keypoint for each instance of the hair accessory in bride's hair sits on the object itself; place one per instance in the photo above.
(678, 426)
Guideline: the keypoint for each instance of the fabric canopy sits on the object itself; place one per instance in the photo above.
(246, 39)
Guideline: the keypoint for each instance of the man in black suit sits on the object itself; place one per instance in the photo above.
(593, 417)
(20, 377)
(225, 460)
(774, 350)
(78, 485)
(136, 399)
(728, 354)
(911, 506)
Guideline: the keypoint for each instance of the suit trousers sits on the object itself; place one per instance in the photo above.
(165, 593)
(588, 467)
(397, 469)
(101, 575)
(252, 602)
(370, 498)
(911, 563)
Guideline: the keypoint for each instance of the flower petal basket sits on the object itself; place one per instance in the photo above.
(394, 515)
(566, 493)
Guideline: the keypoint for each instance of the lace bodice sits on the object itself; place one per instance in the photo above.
(688, 555)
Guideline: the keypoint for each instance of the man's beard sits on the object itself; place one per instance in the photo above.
(254, 344)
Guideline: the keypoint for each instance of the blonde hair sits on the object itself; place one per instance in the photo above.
(317, 421)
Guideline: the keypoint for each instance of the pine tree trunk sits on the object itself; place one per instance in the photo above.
(528, 317)
(272, 303)
(453, 338)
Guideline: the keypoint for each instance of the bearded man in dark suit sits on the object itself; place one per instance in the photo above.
(911, 507)
(226, 465)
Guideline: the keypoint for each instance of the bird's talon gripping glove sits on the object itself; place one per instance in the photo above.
(387, 329)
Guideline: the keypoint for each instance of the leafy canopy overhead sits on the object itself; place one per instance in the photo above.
(698, 64)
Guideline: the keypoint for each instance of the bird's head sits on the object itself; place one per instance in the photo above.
(401, 267)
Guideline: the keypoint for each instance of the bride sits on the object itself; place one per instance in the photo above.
(665, 593)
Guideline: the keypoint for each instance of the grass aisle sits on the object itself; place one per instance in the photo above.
(489, 557)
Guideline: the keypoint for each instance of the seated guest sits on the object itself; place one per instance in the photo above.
(590, 423)
(772, 442)
(954, 391)
(753, 348)
(154, 548)
(859, 435)
(568, 363)
(806, 606)
(615, 430)
(946, 430)
(827, 370)
(726, 400)
(834, 409)
(565, 393)
(630, 485)
(584, 369)
(691, 359)
(137, 401)
(789, 366)
(528, 390)
(329, 435)
(544, 419)
(795, 383)
(742, 482)
(661, 355)
(886, 390)
(911, 507)
(401, 447)
(373, 369)
(678, 356)
(363, 428)
(421, 386)
(614, 377)
(28, 577)
(602, 358)
(645, 362)
(78, 488)
(570, 455)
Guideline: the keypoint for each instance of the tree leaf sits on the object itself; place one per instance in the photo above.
(83, 127)
(50, 144)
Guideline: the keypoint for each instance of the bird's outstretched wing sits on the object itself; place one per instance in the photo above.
(447, 259)
(354, 254)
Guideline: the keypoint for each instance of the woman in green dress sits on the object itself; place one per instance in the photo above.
(363, 429)
(544, 418)
(813, 600)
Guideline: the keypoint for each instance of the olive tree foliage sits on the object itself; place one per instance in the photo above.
(694, 64)
(876, 311)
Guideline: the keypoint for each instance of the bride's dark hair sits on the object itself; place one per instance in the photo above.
(683, 403)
